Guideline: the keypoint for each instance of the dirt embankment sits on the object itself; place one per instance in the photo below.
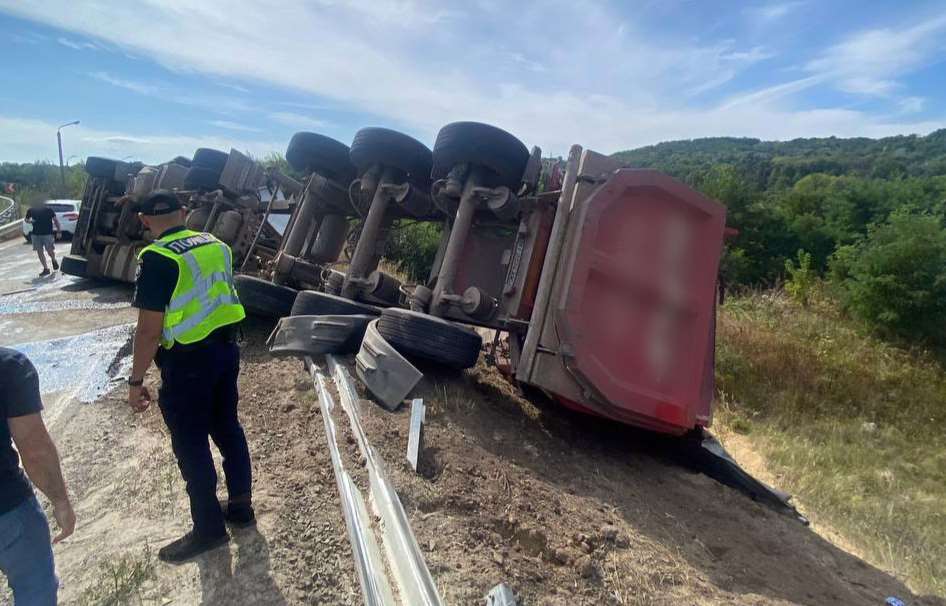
(565, 509)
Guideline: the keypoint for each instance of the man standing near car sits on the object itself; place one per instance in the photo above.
(44, 235)
(188, 312)
(26, 557)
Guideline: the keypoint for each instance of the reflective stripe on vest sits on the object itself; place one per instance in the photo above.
(199, 304)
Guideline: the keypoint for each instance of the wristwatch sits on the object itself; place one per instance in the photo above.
(135, 383)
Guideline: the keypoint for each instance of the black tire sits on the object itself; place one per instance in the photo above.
(200, 177)
(185, 162)
(481, 144)
(312, 153)
(313, 303)
(264, 299)
(100, 167)
(74, 266)
(213, 159)
(388, 147)
(417, 334)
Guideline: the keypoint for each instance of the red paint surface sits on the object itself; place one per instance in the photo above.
(638, 312)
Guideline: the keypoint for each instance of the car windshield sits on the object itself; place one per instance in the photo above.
(62, 208)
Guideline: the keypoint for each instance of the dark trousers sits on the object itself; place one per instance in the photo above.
(198, 400)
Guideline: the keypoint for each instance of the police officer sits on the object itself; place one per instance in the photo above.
(188, 311)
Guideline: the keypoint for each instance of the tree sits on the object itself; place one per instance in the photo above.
(895, 277)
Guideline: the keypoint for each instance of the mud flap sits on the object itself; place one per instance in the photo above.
(317, 335)
(386, 373)
(706, 454)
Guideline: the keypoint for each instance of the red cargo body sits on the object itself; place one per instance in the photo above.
(632, 315)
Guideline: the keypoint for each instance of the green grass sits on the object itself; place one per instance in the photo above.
(853, 426)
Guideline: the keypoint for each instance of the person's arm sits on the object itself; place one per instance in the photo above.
(147, 341)
(41, 462)
(58, 228)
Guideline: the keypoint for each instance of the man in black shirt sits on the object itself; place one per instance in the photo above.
(43, 236)
(26, 557)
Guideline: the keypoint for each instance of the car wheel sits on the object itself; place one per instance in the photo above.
(264, 299)
(388, 147)
(481, 144)
(313, 303)
(312, 153)
(417, 334)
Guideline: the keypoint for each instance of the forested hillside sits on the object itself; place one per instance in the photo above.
(869, 214)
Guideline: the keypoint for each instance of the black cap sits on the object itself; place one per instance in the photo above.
(159, 203)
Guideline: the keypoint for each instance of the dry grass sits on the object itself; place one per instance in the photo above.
(852, 425)
(120, 581)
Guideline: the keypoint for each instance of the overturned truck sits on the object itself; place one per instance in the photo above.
(597, 287)
(229, 195)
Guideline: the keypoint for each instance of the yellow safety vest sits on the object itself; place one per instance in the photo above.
(204, 298)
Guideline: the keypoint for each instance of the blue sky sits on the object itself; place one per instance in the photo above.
(157, 79)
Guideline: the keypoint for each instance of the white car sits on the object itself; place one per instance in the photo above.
(67, 211)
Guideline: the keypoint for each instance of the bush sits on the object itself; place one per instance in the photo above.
(801, 279)
(895, 278)
(413, 247)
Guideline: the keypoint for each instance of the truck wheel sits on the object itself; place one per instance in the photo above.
(312, 153)
(200, 177)
(388, 147)
(384, 287)
(417, 334)
(185, 162)
(100, 167)
(74, 266)
(312, 303)
(264, 299)
(213, 159)
(482, 144)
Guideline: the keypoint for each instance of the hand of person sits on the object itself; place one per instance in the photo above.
(65, 518)
(139, 398)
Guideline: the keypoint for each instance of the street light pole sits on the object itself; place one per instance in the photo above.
(62, 170)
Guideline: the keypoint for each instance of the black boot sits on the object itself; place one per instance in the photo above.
(240, 516)
(190, 546)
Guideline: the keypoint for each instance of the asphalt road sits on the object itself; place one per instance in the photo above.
(76, 331)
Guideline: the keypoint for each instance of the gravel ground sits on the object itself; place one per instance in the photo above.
(563, 508)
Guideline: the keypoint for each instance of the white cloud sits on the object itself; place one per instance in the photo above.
(912, 105)
(75, 45)
(227, 124)
(297, 120)
(415, 65)
(29, 139)
(871, 62)
(773, 11)
(138, 87)
(222, 104)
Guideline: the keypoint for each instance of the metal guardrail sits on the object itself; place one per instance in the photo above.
(11, 230)
(9, 210)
